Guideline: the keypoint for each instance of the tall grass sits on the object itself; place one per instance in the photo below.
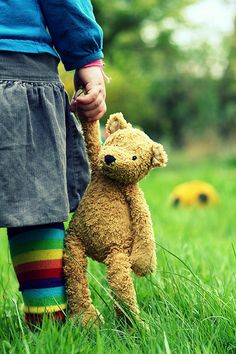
(189, 305)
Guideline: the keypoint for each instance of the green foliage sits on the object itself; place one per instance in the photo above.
(227, 91)
(128, 17)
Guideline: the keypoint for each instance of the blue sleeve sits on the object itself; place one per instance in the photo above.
(75, 33)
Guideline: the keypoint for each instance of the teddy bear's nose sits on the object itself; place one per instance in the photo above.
(109, 159)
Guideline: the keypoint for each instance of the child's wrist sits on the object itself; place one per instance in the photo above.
(98, 63)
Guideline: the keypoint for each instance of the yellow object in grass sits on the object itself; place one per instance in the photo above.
(192, 193)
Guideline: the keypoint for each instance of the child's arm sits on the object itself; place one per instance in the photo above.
(78, 39)
(75, 33)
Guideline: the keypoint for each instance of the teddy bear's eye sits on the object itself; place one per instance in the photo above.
(134, 157)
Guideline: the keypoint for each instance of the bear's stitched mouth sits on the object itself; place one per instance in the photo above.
(107, 168)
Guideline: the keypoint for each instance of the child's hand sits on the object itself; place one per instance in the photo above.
(92, 106)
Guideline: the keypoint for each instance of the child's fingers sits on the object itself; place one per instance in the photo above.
(77, 105)
(97, 117)
(97, 113)
(91, 106)
(73, 106)
(94, 114)
(91, 95)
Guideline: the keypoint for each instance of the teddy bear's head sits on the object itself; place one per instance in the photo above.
(128, 153)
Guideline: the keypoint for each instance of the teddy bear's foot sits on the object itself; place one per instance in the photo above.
(91, 317)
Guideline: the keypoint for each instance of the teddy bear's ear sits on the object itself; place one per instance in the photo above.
(159, 156)
(116, 121)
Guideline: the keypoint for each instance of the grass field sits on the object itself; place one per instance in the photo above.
(189, 304)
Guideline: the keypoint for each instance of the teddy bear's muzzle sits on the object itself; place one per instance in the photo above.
(109, 159)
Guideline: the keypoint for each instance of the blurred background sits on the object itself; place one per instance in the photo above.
(173, 67)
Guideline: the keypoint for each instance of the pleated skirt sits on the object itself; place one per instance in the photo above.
(43, 164)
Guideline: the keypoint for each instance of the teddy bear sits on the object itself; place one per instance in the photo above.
(112, 224)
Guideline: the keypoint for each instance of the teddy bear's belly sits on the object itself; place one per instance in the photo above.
(103, 223)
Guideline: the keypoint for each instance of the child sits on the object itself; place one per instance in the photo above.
(43, 167)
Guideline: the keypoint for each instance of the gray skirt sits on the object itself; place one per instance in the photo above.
(43, 164)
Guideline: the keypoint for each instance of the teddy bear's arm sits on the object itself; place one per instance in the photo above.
(143, 257)
(92, 138)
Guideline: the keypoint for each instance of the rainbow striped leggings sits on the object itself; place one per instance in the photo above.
(37, 253)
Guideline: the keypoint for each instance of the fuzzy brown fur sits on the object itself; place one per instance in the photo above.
(112, 223)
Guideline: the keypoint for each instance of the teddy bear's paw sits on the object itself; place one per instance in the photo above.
(143, 266)
(92, 317)
(142, 271)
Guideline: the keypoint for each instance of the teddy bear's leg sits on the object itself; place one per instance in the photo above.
(120, 280)
(75, 264)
